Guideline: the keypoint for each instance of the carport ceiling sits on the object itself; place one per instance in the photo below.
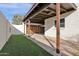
(46, 10)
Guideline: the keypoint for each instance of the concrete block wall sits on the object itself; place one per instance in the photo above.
(5, 31)
(17, 29)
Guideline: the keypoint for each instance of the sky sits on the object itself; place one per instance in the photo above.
(11, 9)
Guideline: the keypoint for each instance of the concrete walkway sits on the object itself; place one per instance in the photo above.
(68, 48)
(44, 43)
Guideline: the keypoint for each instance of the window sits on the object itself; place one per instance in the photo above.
(62, 22)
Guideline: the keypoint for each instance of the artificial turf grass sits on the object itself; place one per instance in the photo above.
(19, 45)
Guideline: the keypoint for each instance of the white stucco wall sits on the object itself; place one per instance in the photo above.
(4, 30)
(71, 25)
(17, 29)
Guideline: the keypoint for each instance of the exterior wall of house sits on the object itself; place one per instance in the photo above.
(5, 30)
(71, 25)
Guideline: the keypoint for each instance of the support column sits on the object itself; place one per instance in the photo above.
(29, 27)
(58, 28)
(24, 28)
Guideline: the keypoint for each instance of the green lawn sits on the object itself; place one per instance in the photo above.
(19, 45)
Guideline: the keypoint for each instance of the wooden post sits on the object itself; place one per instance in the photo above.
(29, 27)
(24, 28)
(58, 28)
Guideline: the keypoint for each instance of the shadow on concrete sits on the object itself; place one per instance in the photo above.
(68, 48)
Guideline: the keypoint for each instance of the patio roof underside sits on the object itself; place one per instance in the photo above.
(46, 10)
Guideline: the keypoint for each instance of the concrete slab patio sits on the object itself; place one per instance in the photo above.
(68, 47)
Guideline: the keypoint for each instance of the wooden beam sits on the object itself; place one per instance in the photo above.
(24, 28)
(51, 9)
(29, 27)
(34, 5)
(63, 8)
(39, 11)
(44, 13)
(57, 27)
(73, 5)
